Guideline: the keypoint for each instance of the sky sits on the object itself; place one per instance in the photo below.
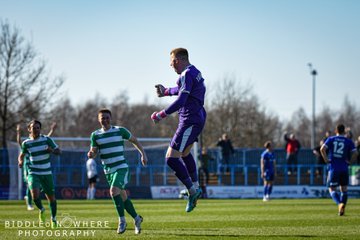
(106, 47)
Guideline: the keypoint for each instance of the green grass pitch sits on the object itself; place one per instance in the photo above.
(211, 219)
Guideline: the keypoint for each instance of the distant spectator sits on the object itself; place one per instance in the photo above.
(292, 148)
(203, 161)
(327, 134)
(320, 159)
(348, 133)
(226, 150)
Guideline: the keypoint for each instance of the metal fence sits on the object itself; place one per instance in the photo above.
(244, 168)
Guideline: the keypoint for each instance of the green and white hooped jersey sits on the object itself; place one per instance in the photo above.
(110, 144)
(38, 156)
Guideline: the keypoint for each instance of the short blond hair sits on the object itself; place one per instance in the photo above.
(181, 53)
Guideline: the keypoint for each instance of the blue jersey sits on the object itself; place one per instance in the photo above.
(269, 160)
(191, 94)
(340, 150)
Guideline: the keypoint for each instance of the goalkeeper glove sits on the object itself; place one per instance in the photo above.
(162, 91)
(157, 116)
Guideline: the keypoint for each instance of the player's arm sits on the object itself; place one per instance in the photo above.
(52, 147)
(262, 167)
(21, 159)
(18, 134)
(162, 91)
(92, 152)
(286, 138)
(55, 151)
(139, 147)
(323, 153)
(52, 129)
(176, 105)
(93, 147)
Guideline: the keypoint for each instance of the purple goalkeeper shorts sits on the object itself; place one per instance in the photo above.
(185, 135)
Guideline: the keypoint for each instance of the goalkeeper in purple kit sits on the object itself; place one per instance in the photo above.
(190, 92)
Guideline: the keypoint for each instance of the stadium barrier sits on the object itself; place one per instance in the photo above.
(244, 170)
(290, 191)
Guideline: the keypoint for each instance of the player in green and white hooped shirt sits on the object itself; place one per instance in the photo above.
(38, 148)
(108, 141)
(25, 166)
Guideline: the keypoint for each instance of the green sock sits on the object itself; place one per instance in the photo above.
(38, 203)
(53, 209)
(119, 205)
(29, 197)
(130, 208)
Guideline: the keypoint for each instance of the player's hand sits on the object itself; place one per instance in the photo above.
(53, 126)
(161, 91)
(20, 164)
(144, 160)
(157, 116)
(49, 149)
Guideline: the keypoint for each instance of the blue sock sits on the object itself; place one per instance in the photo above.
(343, 197)
(265, 190)
(335, 196)
(270, 189)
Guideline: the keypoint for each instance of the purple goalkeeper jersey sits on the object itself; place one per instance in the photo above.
(191, 93)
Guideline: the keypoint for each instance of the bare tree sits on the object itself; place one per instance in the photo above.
(349, 115)
(25, 85)
(235, 110)
(300, 125)
(325, 122)
(64, 114)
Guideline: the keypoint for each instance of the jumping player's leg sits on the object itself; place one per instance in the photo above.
(180, 147)
(178, 166)
(190, 164)
(185, 169)
(174, 162)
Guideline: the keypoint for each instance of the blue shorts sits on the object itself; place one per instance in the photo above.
(185, 135)
(269, 176)
(336, 178)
